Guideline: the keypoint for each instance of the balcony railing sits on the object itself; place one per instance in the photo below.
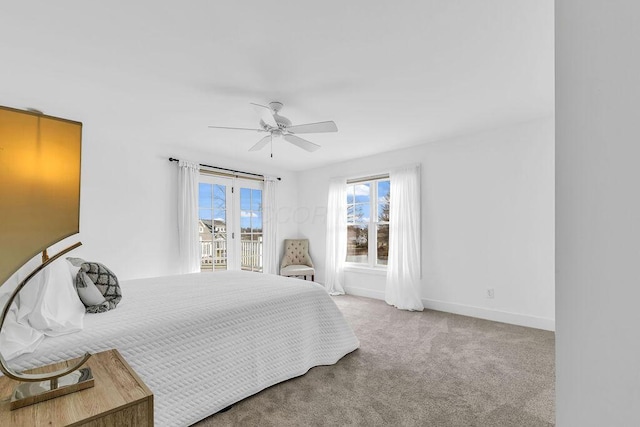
(251, 255)
(214, 255)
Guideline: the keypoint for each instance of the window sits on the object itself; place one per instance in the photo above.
(251, 229)
(213, 207)
(368, 222)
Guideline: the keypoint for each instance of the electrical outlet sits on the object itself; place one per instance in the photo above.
(490, 293)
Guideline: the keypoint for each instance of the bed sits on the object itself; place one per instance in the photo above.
(204, 341)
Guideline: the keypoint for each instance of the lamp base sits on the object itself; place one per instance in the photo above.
(29, 393)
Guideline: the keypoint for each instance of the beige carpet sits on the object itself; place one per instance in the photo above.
(416, 369)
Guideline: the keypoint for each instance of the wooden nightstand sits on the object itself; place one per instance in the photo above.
(119, 398)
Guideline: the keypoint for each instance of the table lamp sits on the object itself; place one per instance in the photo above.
(39, 206)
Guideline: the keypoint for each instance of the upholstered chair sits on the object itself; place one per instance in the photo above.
(296, 260)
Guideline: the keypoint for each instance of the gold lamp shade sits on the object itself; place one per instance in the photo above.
(39, 184)
(39, 206)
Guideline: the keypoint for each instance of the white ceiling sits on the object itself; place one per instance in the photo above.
(391, 74)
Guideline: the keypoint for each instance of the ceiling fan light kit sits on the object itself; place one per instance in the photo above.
(280, 126)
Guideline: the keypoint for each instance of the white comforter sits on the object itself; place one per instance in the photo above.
(204, 341)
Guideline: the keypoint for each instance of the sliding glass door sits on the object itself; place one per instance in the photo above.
(230, 223)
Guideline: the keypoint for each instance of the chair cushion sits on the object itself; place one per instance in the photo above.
(296, 252)
(297, 270)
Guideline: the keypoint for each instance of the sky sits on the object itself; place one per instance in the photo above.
(359, 197)
(212, 203)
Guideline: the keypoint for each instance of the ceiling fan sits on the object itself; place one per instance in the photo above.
(276, 125)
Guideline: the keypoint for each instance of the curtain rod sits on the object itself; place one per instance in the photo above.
(171, 159)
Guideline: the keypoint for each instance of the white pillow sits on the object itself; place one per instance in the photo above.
(17, 338)
(50, 303)
(29, 292)
(12, 282)
(73, 270)
(8, 286)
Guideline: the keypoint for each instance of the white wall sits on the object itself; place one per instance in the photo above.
(598, 211)
(488, 222)
(128, 200)
(487, 214)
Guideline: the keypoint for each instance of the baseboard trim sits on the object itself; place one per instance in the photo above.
(544, 323)
(490, 314)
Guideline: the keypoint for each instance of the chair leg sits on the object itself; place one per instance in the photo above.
(313, 277)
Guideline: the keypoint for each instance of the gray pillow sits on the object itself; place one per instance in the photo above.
(97, 286)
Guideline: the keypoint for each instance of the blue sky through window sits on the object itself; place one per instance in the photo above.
(359, 198)
(212, 203)
(251, 209)
(383, 189)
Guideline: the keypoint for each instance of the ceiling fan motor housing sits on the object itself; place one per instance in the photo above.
(276, 106)
(282, 121)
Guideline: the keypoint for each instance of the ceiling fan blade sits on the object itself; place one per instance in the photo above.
(225, 127)
(302, 143)
(265, 114)
(319, 127)
(264, 141)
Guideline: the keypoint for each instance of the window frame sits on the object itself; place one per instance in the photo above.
(251, 185)
(372, 254)
(233, 223)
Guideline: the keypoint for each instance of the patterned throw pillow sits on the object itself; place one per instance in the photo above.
(95, 275)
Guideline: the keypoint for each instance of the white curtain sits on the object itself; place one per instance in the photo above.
(188, 236)
(403, 267)
(269, 209)
(336, 236)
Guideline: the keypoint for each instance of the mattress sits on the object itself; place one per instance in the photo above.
(204, 341)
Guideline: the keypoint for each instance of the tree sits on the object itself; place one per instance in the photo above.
(355, 211)
(383, 215)
(383, 229)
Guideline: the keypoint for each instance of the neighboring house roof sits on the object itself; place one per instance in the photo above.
(219, 225)
(208, 230)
